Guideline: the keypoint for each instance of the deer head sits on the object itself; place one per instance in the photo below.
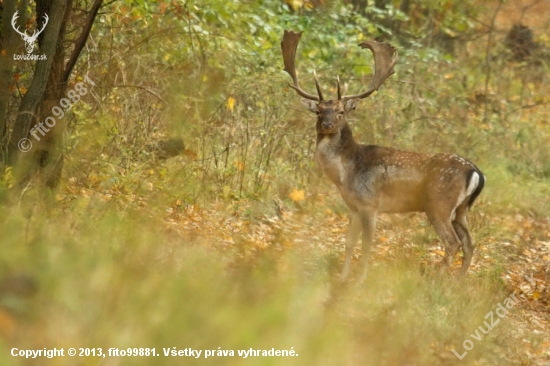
(29, 40)
(331, 113)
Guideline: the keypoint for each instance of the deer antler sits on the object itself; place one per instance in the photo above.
(24, 34)
(385, 57)
(289, 46)
(14, 24)
(46, 19)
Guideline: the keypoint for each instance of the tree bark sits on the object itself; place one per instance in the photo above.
(49, 155)
(46, 158)
(8, 46)
(33, 98)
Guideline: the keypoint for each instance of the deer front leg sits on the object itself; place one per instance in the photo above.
(368, 224)
(352, 235)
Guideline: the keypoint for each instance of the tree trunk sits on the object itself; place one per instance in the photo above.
(45, 160)
(31, 101)
(47, 156)
(8, 45)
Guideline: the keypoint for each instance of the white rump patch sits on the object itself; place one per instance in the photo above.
(474, 181)
(472, 185)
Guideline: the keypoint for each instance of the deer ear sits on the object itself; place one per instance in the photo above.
(351, 104)
(311, 105)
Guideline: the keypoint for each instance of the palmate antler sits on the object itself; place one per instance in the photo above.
(289, 46)
(385, 58)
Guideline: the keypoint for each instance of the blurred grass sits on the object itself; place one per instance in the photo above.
(123, 281)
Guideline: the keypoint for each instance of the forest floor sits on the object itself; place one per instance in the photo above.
(515, 247)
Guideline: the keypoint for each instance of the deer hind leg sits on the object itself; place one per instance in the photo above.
(460, 225)
(448, 235)
(352, 236)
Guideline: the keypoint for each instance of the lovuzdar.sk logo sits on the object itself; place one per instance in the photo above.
(29, 40)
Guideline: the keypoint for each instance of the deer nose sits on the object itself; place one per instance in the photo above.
(326, 124)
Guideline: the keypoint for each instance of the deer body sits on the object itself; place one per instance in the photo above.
(392, 180)
(374, 179)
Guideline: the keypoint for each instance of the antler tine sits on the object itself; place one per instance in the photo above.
(317, 85)
(385, 57)
(338, 82)
(289, 46)
(37, 32)
(46, 19)
(14, 24)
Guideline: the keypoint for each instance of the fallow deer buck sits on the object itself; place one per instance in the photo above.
(375, 179)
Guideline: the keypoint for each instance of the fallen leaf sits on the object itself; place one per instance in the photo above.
(230, 103)
(297, 195)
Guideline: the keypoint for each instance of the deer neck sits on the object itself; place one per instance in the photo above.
(335, 152)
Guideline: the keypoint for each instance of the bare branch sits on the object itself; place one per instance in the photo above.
(81, 41)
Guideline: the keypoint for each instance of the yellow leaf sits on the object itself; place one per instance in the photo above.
(297, 195)
(239, 165)
(295, 4)
(230, 103)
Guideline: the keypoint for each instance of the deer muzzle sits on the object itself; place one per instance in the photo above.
(326, 125)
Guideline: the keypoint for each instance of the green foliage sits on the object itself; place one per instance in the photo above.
(211, 72)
